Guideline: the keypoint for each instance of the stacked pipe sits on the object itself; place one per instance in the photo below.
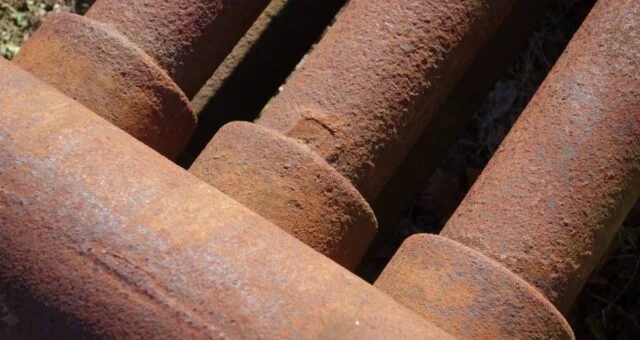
(137, 62)
(359, 101)
(102, 237)
(449, 122)
(324, 146)
(254, 70)
(157, 253)
(551, 199)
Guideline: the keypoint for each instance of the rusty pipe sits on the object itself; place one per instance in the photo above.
(366, 92)
(467, 294)
(555, 193)
(137, 63)
(355, 106)
(188, 39)
(551, 199)
(259, 63)
(291, 186)
(101, 237)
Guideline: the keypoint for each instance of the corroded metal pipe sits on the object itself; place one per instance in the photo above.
(188, 39)
(553, 196)
(448, 123)
(467, 294)
(138, 62)
(100, 237)
(559, 187)
(285, 182)
(358, 102)
(259, 63)
(369, 88)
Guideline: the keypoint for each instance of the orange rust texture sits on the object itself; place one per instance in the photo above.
(111, 240)
(137, 62)
(188, 38)
(554, 194)
(359, 100)
(95, 65)
(290, 186)
(364, 94)
(467, 294)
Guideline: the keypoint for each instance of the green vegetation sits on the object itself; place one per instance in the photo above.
(19, 18)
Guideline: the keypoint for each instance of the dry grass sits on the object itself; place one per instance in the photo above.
(19, 18)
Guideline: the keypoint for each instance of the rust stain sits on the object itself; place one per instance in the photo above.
(359, 100)
(467, 294)
(377, 77)
(101, 237)
(292, 187)
(554, 194)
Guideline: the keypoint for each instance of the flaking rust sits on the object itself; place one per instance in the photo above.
(551, 199)
(355, 105)
(555, 193)
(467, 294)
(100, 237)
(137, 63)
(368, 89)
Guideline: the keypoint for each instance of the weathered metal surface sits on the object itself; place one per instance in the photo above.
(236, 56)
(131, 61)
(292, 187)
(258, 65)
(189, 39)
(554, 194)
(95, 65)
(496, 56)
(109, 239)
(364, 94)
(467, 294)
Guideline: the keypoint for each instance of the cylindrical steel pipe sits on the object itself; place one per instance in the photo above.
(257, 66)
(467, 294)
(101, 237)
(555, 193)
(188, 39)
(553, 196)
(285, 182)
(358, 101)
(369, 88)
(138, 62)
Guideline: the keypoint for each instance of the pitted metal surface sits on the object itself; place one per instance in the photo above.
(467, 294)
(359, 100)
(553, 196)
(291, 186)
(362, 97)
(111, 240)
(101, 237)
(188, 38)
(100, 68)
(138, 62)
